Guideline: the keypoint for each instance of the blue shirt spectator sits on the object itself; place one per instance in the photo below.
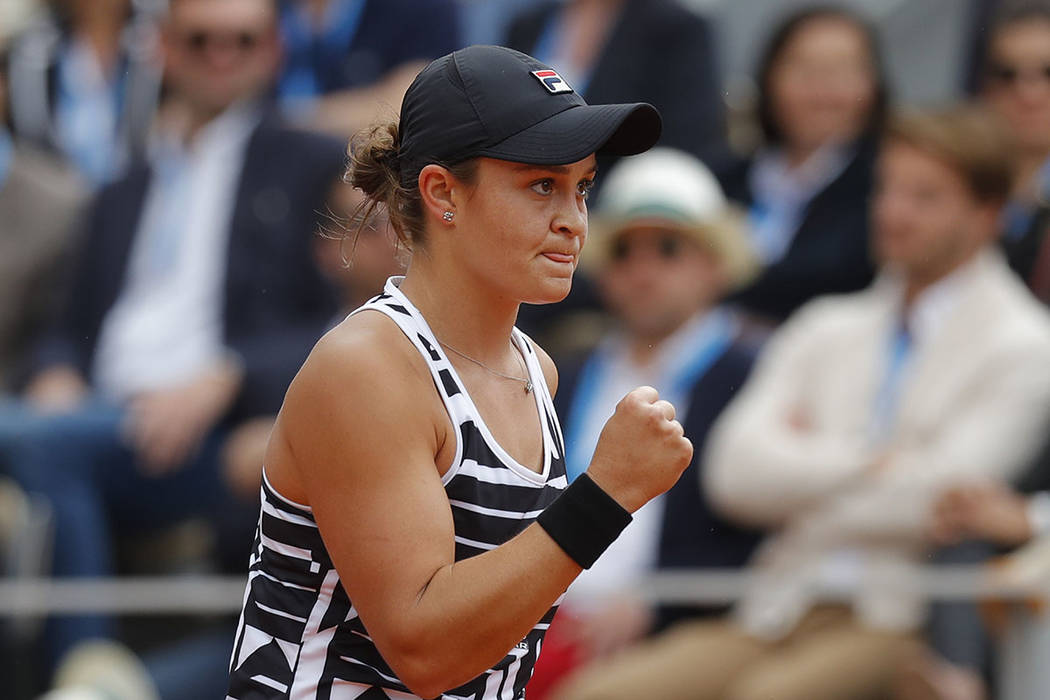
(194, 299)
(363, 49)
(85, 83)
(1014, 81)
(665, 247)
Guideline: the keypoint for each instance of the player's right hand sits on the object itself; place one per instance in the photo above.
(642, 450)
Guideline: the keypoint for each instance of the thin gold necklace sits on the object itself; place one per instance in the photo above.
(524, 380)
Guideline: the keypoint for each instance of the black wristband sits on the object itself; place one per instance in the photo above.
(584, 520)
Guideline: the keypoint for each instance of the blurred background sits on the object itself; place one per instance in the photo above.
(835, 264)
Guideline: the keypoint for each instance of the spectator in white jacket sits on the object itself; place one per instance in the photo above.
(861, 411)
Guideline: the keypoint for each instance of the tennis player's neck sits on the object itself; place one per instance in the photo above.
(470, 319)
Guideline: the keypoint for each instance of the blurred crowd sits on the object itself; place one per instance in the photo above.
(844, 296)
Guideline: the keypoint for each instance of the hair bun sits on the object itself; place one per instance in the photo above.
(374, 166)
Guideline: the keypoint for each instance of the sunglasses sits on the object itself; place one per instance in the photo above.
(199, 41)
(667, 246)
(1012, 75)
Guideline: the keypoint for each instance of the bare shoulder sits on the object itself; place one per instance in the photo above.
(353, 389)
(550, 370)
(366, 351)
(363, 438)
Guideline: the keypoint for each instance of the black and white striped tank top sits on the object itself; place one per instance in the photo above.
(299, 636)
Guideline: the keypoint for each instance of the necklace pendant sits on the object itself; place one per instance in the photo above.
(528, 387)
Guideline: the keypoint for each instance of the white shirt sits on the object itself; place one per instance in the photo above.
(929, 310)
(633, 553)
(974, 407)
(166, 325)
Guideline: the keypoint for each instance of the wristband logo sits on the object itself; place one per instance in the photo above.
(552, 81)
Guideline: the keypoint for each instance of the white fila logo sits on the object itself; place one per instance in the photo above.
(552, 81)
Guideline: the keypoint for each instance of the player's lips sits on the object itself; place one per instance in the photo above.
(561, 257)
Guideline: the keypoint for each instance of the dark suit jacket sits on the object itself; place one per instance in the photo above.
(657, 52)
(276, 302)
(693, 535)
(1037, 476)
(1023, 253)
(391, 33)
(830, 252)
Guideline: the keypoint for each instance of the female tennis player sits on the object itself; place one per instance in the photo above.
(416, 530)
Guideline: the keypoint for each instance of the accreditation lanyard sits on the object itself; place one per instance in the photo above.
(717, 336)
(887, 400)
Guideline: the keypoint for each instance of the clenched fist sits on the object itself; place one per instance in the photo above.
(642, 450)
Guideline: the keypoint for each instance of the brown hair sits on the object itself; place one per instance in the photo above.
(968, 140)
(777, 43)
(375, 169)
(1011, 12)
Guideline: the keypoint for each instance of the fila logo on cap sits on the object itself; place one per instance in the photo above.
(552, 81)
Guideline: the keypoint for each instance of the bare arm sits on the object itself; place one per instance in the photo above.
(368, 468)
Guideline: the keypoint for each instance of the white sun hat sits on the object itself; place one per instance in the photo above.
(669, 188)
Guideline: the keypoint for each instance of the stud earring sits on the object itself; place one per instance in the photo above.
(448, 216)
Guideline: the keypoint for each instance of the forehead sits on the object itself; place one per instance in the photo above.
(1027, 36)
(902, 160)
(221, 14)
(829, 33)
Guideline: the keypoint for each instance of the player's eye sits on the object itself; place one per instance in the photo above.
(584, 188)
(544, 187)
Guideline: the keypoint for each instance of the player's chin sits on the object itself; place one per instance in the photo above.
(549, 289)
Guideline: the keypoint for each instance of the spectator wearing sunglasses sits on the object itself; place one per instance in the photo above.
(822, 100)
(656, 51)
(666, 246)
(862, 409)
(1011, 77)
(84, 83)
(1016, 86)
(344, 60)
(194, 298)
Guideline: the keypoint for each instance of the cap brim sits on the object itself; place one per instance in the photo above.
(577, 132)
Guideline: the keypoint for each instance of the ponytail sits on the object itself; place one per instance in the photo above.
(375, 169)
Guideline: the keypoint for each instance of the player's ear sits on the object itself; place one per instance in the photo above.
(436, 185)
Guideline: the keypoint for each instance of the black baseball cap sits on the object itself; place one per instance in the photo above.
(496, 102)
